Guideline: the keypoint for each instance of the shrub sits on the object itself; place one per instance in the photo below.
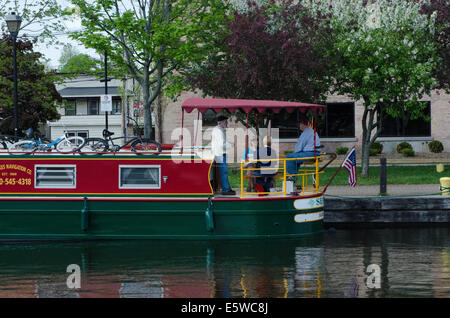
(378, 146)
(341, 150)
(408, 152)
(403, 145)
(435, 146)
(373, 152)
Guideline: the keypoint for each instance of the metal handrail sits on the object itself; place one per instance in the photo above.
(280, 167)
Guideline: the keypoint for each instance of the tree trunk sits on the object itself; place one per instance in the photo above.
(365, 156)
(148, 127)
(159, 115)
(371, 120)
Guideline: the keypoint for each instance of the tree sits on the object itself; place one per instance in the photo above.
(68, 51)
(383, 53)
(441, 38)
(37, 95)
(151, 40)
(271, 50)
(41, 18)
(81, 64)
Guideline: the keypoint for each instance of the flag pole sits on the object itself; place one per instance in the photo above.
(334, 175)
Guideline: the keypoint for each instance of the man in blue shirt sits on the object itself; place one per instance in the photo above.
(303, 149)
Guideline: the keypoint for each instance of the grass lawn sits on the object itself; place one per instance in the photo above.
(395, 175)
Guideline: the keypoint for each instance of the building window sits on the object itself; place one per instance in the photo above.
(406, 127)
(80, 133)
(55, 176)
(116, 106)
(287, 124)
(338, 121)
(71, 107)
(139, 177)
(92, 105)
(209, 118)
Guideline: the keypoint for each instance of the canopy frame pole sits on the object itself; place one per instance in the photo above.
(196, 128)
(246, 138)
(182, 129)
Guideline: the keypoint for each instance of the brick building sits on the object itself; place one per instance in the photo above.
(341, 125)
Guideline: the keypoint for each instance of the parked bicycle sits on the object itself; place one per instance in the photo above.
(136, 144)
(6, 141)
(63, 144)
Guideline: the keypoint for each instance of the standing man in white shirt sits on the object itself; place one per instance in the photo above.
(219, 146)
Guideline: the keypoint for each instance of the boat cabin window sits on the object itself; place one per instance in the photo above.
(139, 177)
(55, 176)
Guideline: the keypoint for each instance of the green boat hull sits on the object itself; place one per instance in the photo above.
(153, 218)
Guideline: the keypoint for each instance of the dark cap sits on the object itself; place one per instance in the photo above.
(221, 117)
(304, 121)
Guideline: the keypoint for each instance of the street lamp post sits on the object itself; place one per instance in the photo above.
(13, 21)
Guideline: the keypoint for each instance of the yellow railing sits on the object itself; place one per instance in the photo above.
(308, 173)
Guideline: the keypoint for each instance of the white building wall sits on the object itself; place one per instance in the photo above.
(93, 123)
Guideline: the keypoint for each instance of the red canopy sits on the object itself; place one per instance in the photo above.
(246, 105)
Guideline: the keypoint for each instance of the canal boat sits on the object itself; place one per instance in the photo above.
(163, 195)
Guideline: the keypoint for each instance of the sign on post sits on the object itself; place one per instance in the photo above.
(106, 103)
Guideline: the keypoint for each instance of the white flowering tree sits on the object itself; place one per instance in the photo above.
(383, 54)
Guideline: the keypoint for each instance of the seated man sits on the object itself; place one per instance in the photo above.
(303, 149)
(264, 176)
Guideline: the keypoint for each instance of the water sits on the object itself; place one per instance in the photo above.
(412, 263)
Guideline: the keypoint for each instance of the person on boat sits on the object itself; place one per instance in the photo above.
(220, 145)
(265, 179)
(305, 147)
(261, 176)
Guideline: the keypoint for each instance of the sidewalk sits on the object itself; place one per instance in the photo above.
(397, 159)
(392, 190)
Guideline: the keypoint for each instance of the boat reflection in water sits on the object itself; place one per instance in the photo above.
(413, 262)
(162, 268)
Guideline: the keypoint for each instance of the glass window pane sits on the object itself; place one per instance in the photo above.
(93, 106)
(209, 118)
(405, 126)
(147, 177)
(71, 107)
(338, 121)
(55, 176)
(287, 124)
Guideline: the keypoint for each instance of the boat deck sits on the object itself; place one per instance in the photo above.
(268, 195)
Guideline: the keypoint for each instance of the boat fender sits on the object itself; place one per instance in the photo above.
(84, 216)
(209, 216)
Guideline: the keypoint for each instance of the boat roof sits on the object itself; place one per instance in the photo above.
(247, 105)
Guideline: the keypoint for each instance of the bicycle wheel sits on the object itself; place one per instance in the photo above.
(70, 144)
(94, 145)
(23, 146)
(146, 145)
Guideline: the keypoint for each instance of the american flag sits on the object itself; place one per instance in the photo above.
(350, 164)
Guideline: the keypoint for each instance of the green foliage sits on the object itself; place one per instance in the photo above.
(37, 95)
(403, 145)
(373, 152)
(435, 146)
(153, 41)
(384, 54)
(408, 152)
(81, 64)
(378, 146)
(42, 18)
(341, 150)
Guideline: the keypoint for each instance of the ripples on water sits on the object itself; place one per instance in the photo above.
(413, 263)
